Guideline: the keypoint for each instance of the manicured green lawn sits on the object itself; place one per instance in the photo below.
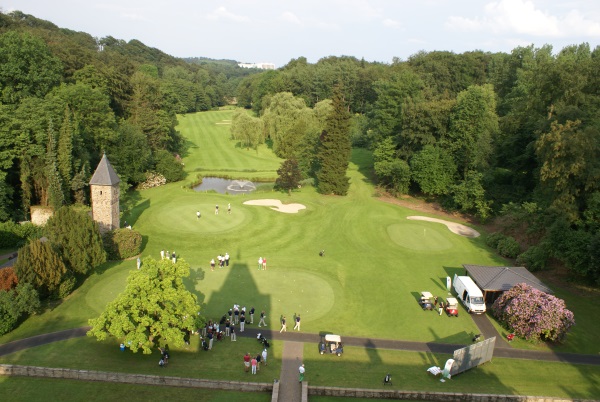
(45, 389)
(366, 368)
(367, 284)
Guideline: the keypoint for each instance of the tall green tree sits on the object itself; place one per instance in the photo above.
(247, 129)
(434, 170)
(27, 67)
(334, 149)
(473, 127)
(570, 165)
(79, 239)
(154, 307)
(288, 175)
(41, 265)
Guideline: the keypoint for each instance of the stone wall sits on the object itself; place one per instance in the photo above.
(429, 396)
(307, 391)
(90, 375)
(40, 214)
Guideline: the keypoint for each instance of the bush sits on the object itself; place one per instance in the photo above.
(493, 239)
(535, 258)
(66, 286)
(533, 314)
(15, 303)
(168, 166)
(14, 235)
(122, 243)
(508, 247)
(8, 278)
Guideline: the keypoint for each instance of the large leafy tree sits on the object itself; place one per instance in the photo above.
(334, 149)
(434, 170)
(27, 67)
(79, 239)
(155, 307)
(473, 126)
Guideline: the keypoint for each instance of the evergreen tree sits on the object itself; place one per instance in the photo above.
(334, 150)
(40, 264)
(79, 239)
(56, 196)
(289, 175)
(64, 153)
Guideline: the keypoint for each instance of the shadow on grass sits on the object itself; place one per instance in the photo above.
(239, 281)
(132, 207)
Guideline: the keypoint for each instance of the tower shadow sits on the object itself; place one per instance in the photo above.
(239, 288)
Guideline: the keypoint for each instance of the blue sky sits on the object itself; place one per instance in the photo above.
(277, 31)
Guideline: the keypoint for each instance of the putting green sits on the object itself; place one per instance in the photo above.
(288, 291)
(419, 237)
(182, 218)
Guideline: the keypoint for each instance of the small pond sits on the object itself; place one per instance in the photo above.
(224, 186)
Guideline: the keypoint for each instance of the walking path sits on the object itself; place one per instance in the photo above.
(289, 387)
(303, 337)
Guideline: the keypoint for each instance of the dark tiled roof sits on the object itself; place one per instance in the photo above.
(104, 175)
(500, 279)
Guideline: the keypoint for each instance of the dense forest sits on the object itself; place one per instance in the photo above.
(510, 137)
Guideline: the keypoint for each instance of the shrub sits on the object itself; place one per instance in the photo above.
(168, 166)
(493, 239)
(14, 235)
(508, 247)
(535, 258)
(8, 278)
(533, 314)
(15, 303)
(122, 243)
(66, 286)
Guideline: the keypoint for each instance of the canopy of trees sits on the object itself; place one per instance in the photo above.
(478, 130)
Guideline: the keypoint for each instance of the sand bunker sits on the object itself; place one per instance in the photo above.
(277, 205)
(454, 227)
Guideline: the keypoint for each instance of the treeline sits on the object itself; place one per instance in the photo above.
(67, 97)
(508, 136)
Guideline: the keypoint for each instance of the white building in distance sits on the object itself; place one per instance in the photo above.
(262, 66)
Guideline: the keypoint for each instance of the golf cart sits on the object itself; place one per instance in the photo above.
(331, 344)
(425, 301)
(451, 307)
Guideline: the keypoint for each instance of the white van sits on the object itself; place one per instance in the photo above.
(470, 295)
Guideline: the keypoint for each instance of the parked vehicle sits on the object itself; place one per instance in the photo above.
(469, 294)
(331, 344)
(451, 307)
(426, 301)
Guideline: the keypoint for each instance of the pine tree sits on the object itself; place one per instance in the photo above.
(79, 239)
(56, 196)
(40, 264)
(335, 149)
(289, 175)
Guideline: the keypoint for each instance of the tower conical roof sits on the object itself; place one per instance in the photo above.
(104, 175)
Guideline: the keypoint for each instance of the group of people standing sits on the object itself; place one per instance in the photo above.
(169, 256)
(223, 261)
(254, 362)
(262, 263)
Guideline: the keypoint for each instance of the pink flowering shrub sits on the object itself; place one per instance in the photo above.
(533, 314)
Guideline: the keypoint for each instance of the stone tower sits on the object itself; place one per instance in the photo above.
(104, 189)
